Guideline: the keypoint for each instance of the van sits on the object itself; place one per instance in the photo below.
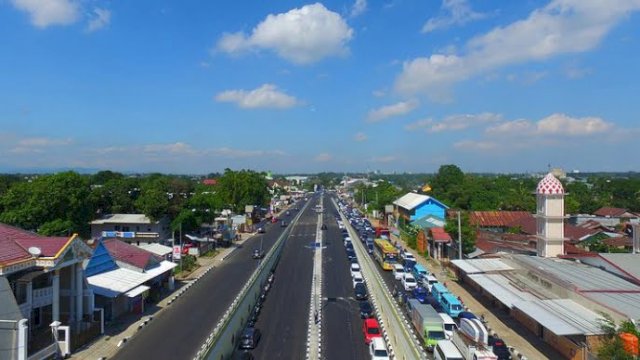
(428, 281)
(451, 304)
(449, 325)
(445, 350)
(419, 272)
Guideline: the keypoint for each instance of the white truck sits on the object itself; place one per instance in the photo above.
(472, 350)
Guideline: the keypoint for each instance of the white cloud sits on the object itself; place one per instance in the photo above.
(457, 12)
(323, 157)
(266, 96)
(561, 27)
(397, 109)
(303, 35)
(555, 124)
(43, 142)
(177, 148)
(359, 7)
(360, 137)
(455, 122)
(239, 153)
(44, 13)
(378, 93)
(101, 18)
(473, 145)
(573, 71)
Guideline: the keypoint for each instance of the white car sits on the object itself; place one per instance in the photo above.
(407, 256)
(398, 271)
(355, 268)
(409, 282)
(429, 280)
(378, 349)
(357, 278)
(449, 325)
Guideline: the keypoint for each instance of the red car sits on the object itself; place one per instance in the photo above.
(371, 329)
(274, 220)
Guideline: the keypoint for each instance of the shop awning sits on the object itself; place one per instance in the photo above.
(137, 291)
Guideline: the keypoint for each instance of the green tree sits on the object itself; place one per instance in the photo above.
(468, 232)
(58, 199)
(240, 188)
(153, 202)
(612, 347)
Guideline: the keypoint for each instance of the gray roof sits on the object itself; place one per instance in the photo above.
(500, 287)
(562, 316)
(123, 219)
(574, 275)
(623, 303)
(476, 266)
(410, 200)
(630, 263)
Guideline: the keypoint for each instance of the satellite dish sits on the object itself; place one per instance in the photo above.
(35, 251)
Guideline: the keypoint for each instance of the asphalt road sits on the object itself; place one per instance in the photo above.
(342, 326)
(178, 332)
(284, 316)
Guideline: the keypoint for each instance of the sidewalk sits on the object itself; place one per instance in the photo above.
(106, 345)
(505, 326)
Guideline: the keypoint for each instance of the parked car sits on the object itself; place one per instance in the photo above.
(398, 271)
(366, 311)
(371, 329)
(257, 254)
(351, 254)
(261, 230)
(250, 338)
(409, 282)
(378, 349)
(360, 291)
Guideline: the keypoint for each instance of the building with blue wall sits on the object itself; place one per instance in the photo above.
(412, 206)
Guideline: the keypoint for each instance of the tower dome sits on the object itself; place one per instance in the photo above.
(550, 185)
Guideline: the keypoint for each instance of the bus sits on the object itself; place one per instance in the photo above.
(385, 253)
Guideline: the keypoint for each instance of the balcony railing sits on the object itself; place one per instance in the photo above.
(130, 234)
(42, 297)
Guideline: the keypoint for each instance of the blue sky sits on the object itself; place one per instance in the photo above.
(291, 86)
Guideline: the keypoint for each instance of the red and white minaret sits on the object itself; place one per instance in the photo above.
(550, 217)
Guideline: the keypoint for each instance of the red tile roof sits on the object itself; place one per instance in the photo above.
(621, 241)
(210, 182)
(610, 212)
(578, 233)
(496, 218)
(438, 234)
(129, 254)
(14, 243)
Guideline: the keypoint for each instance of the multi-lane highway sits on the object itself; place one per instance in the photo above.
(284, 316)
(342, 335)
(179, 332)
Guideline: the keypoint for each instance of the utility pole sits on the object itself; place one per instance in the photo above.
(459, 237)
(181, 247)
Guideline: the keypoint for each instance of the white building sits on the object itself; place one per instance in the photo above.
(131, 228)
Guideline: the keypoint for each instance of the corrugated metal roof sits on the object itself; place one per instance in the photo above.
(629, 263)
(623, 303)
(123, 219)
(121, 280)
(476, 266)
(562, 316)
(496, 218)
(501, 288)
(156, 248)
(410, 200)
(582, 277)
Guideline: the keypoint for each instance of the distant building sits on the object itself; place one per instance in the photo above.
(618, 215)
(132, 228)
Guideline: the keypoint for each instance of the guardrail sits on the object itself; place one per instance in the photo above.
(222, 341)
(401, 340)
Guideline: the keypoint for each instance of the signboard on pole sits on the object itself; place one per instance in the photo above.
(177, 252)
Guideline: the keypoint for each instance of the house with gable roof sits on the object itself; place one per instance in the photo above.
(413, 206)
(123, 277)
(43, 285)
